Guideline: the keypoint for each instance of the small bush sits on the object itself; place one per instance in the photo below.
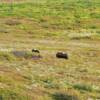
(6, 56)
(83, 87)
(79, 38)
(10, 94)
(12, 22)
(65, 96)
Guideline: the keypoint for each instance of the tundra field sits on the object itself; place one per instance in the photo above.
(71, 26)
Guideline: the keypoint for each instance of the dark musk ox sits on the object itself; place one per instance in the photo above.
(62, 55)
(35, 50)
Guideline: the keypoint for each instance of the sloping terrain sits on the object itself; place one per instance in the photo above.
(72, 26)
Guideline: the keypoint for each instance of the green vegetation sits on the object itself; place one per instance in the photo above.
(83, 87)
(6, 56)
(71, 26)
(55, 16)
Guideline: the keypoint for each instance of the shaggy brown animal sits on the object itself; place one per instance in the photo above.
(35, 50)
(62, 55)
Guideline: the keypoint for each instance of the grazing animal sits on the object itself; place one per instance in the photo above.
(35, 50)
(62, 55)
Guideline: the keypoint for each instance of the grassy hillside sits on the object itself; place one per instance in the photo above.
(55, 17)
(72, 26)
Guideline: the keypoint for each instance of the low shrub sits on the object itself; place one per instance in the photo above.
(12, 22)
(83, 87)
(6, 56)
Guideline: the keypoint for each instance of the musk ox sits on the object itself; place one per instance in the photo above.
(62, 55)
(35, 50)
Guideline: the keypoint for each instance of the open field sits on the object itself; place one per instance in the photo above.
(72, 26)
